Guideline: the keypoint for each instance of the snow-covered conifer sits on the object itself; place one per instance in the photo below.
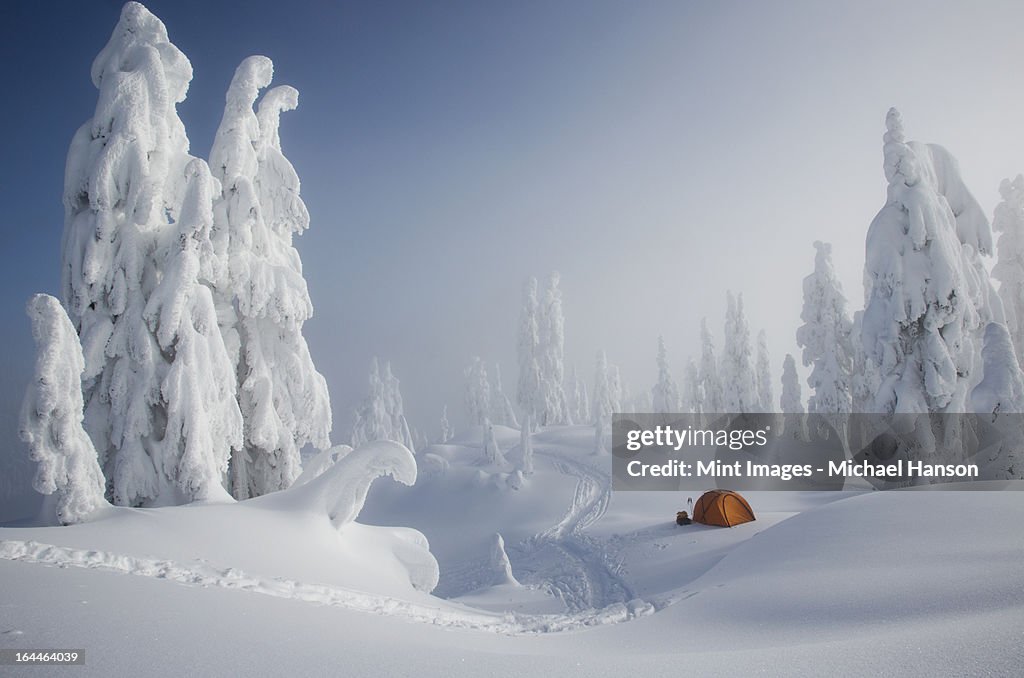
(765, 394)
(579, 402)
(284, 400)
(478, 393)
(826, 338)
(927, 300)
(371, 418)
(1009, 269)
(604, 401)
(665, 394)
(525, 449)
(502, 411)
(528, 388)
(690, 394)
(123, 188)
(791, 400)
(710, 383)
(492, 451)
(446, 427)
(398, 427)
(1001, 389)
(51, 416)
(739, 388)
(203, 423)
(551, 342)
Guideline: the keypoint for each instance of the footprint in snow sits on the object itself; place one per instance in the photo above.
(14, 632)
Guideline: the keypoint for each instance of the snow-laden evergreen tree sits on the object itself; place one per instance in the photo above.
(710, 382)
(197, 394)
(739, 386)
(1009, 269)
(765, 394)
(550, 351)
(478, 393)
(446, 427)
(263, 300)
(1001, 389)
(619, 393)
(605, 401)
(525, 450)
(528, 395)
(492, 451)
(865, 380)
(381, 415)
(122, 189)
(51, 417)
(928, 298)
(665, 394)
(690, 394)
(791, 400)
(502, 411)
(579, 402)
(826, 339)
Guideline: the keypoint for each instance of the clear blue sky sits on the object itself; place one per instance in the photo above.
(656, 153)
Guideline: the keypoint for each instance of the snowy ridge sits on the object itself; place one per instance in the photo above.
(205, 575)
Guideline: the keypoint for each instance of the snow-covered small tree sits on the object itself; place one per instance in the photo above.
(710, 382)
(1009, 269)
(791, 400)
(690, 393)
(528, 394)
(525, 450)
(502, 411)
(492, 451)
(765, 394)
(1001, 389)
(51, 417)
(203, 423)
(579, 402)
(550, 349)
(398, 427)
(478, 393)
(826, 339)
(446, 427)
(739, 387)
(372, 421)
(665, 394)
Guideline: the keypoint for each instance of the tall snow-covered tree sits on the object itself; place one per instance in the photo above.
(739, 388)
(791, 400)
(492, 451)
(826, 338)
(122, 190)
(927, 301)
(690, 394)
(51, 417)
(1009, 269)
(528, 395)
(550, 351)
(395, 410)
(381, 415)
(446, 427)
(1001, 389)
(579, 402)
(525, 451)
(197, 394)
(710, 382)
(478, 393)
(665, 394)
(765, 394)
(502, 411)
(263, 298)
(605, 401)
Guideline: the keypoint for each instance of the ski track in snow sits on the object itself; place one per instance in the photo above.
(204, 575)
(572, 565)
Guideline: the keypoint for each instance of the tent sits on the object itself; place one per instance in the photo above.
(722, 507)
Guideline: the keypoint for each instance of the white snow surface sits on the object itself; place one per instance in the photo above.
(581, 581)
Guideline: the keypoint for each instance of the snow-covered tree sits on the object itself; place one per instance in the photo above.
(579, 402)
(446, 428)
(927, 300)
(739, 387)
(381, 415)
(525, 450)
(1001, 389)
(603, 403)
(826, 339)
(197, 394)
(550, 352)
(690, 393)
(1009, 269)
(492, 451)
(665, 394)
(502, 411)
(791, 400)
(263, 298)
(478, 393)
(51, 417)
(710, 382)
(122, 191)
(528, 394)
(865, 380)
(765, 394)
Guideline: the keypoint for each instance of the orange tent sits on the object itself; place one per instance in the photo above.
(722, 507)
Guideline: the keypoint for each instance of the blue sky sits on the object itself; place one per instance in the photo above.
(656, 153)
